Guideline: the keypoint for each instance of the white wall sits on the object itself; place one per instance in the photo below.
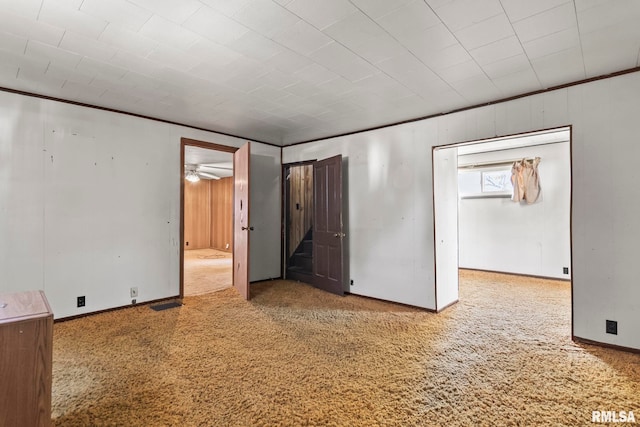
(90, 203)
(391, 212)
(445, 201)
(500, 235)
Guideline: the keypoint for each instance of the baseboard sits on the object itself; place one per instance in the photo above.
(79, 316)
(440, 310)
(606, 345)
(515, 274)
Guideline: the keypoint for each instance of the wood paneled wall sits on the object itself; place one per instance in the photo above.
(222, 214)
(197, 214)
(208, 214)
(300, 204)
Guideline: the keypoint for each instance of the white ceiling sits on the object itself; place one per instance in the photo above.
(285, 71)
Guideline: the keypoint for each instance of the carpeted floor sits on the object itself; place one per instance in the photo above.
(295, 356)
(206, 270)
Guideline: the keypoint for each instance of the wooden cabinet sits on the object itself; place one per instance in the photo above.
(26, 352)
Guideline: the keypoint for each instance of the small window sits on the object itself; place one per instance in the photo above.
(485, 182)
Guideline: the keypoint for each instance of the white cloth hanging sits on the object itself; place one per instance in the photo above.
(525, 180)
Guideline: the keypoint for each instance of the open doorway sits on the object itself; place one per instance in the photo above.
(207, 218)
(481, 228)
(314, 231)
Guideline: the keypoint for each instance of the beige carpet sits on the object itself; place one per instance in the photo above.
(206, 270)
(295, 356)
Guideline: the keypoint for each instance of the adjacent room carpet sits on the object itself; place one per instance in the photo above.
(206, 271)
(294, 356)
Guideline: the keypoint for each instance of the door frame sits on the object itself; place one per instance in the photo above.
(209, 146)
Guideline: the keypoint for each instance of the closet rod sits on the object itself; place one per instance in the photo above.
(500, 163)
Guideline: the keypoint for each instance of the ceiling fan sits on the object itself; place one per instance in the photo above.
(193, 173)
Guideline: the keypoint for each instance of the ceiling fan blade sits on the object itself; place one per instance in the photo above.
(220, 165)
(207, 175)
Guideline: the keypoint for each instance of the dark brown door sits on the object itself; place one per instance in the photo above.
(327, 225)
(241, 220)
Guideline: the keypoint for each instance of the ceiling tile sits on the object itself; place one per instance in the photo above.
(268, 93)
(168, 33)
(321, 14)
(459, 14)
(506, 66)
(554, 42)
(477, 89)
(607, 15)
(69, 75)
(62, 16)
(12, 43)
(545, 23)
(98, 68)
(600, 57)
(340, 60)
(288, 61)
(447, 57)
(277, 79)
(302, 38)
(60, 57)
(176, 11)
(30, 29)
(167, 55)
(316, 74)
(378, 8)
(38, 65)
(255, 46)
(520, 9)
(409, 20)
(497, 51)
(226, 7)
(265, 17)
(302, 89)
(378, 49)
(560, 67)
(25, 8)
(134, 63)
(213, 53)
(88, 47)
(385, 86)
(517, 83)
(214, 26)
(127, 40)
(425, 44)
(461, 71)
(120, 12)
(354, 30)
(588, 4)
(488, 31)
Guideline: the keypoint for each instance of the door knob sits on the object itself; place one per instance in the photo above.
(339, 235)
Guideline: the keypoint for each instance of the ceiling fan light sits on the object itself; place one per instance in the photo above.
(192, 176)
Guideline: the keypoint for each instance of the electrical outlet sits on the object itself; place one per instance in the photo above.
(133, 301)
(351, 283)
(612, 327)
(81, 301)
(565, 270)
(134, 292)
(226, 246)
